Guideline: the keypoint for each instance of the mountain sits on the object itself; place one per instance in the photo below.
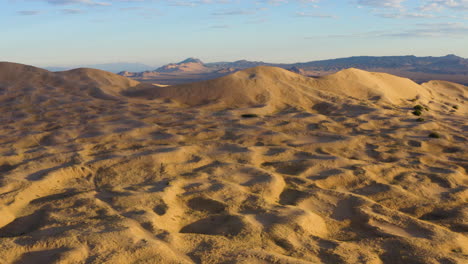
(110, 67)
(191, 60)
(240, 64)
(297, 70)
(191, 65)
(449, 64)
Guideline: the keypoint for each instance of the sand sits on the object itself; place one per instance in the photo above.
(98, 168)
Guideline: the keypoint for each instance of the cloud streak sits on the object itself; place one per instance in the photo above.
(429, 30)
(407, 15)
(313, 15)
(78, 2)
(72, 11)
(439, 5)
(28, 12)
(232, 13)
(381, 3)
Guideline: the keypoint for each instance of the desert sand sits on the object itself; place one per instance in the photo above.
(260, 166)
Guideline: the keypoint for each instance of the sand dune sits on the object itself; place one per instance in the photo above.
(274, 89)
(105, 81)
(372, 86)
(22, 77)
(97, 168)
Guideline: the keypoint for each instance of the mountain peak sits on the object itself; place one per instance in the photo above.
(296, 69)
(187, 65)
(191, 60)
(452, 56)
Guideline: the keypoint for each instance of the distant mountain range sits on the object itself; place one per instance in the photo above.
(420, 69)
(449, 64)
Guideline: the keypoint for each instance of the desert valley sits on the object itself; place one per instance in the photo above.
(260, 165)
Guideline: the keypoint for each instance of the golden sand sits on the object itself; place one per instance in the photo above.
(261, 166)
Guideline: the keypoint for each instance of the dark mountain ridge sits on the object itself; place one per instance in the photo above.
(449, 64)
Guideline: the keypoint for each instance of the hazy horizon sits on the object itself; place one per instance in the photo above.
(305, 60)
(73, 32)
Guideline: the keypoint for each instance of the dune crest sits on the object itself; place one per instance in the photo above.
(275, 89)
(19, 77)
(371, 85)
(109, 83)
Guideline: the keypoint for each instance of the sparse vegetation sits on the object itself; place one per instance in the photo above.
(162, 169)
(249, 115)
(455, 107)
(418, 110)
(418, 107)
(420, 119)
(434, 135)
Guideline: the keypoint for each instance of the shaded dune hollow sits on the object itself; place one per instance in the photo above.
(260, 166)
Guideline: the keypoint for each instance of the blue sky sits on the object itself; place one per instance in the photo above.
(155, 32)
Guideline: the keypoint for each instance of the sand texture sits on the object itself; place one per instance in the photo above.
(260, 166)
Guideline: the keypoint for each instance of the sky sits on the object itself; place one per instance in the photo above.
(156, 32)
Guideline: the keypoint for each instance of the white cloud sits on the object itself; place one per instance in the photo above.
(438, 5)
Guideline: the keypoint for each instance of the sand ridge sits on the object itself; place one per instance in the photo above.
(275, 89)
(332, 170)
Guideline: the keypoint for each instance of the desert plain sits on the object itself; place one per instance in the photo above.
(260, 166)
